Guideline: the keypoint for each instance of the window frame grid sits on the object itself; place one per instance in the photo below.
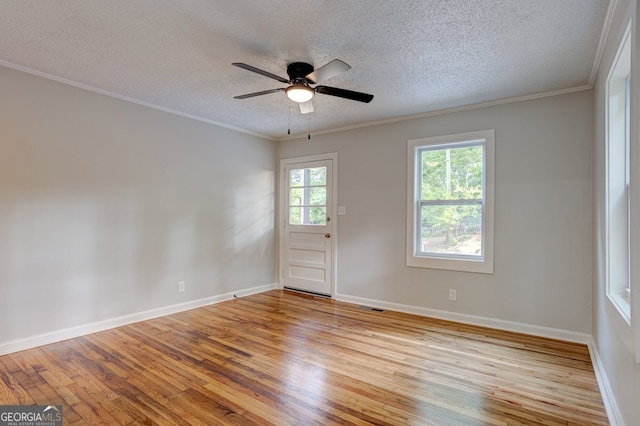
(305, 206)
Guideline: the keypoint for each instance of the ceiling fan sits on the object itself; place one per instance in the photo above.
(301, 77)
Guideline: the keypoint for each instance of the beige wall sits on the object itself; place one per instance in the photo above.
(105, 205)
(543, 215)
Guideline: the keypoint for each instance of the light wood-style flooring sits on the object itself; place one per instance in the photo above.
(286, 359)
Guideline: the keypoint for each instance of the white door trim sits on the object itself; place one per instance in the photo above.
(333, 157)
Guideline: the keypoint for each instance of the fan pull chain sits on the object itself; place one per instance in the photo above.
(289, 129)
(309, 131)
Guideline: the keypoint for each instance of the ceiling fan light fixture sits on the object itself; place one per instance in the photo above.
(299, 92)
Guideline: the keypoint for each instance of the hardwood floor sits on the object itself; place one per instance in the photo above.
(282, 358)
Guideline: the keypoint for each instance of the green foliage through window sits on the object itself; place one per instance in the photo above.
(308, 196)
(451, 205)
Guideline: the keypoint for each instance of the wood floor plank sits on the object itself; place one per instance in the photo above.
(11, 391)
(287, 359)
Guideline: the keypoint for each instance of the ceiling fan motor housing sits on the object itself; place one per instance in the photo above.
(297, 71)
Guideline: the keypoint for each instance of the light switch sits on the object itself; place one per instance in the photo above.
(342, 210)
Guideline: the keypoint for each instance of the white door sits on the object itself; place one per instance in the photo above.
(308, 226)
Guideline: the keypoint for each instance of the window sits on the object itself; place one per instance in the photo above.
(450, 202)
(618, 180)
(308, 196)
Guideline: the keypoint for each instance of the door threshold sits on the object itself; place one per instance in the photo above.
(307, 292)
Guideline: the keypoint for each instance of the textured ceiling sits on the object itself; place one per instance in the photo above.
(415, 56)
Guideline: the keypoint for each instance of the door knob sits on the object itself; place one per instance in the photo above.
(327, 235)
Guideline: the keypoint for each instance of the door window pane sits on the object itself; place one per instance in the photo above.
(318, 196)
(318, 176)
(295, 196)
(308, 196)
(307, 215)
(296, 177)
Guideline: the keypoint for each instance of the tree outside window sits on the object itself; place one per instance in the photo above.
(308, 196)
(451, 205)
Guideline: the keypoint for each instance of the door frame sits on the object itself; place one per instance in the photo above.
(333, 224)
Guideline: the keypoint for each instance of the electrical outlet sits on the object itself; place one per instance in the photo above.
(180, 286)
(452, 294)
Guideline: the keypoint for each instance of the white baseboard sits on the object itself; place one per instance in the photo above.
(613, 412)
(69, 333)
(552, 333)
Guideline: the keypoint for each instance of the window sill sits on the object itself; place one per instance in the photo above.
(621, 303)
(461, 265)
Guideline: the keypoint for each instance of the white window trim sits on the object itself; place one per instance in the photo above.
(634, 183)
(618, 299)
(484, 265)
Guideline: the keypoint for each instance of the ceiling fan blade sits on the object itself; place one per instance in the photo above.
(343, 93)
(261, 72)
(306, 107)
(327, 71)
(264, 92)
